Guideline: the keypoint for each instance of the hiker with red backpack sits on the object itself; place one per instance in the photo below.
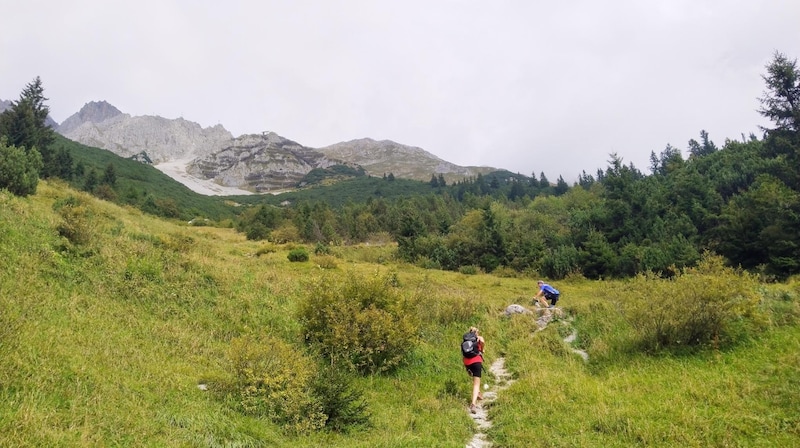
(472, 351)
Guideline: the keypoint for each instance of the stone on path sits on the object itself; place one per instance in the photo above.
(516, 309)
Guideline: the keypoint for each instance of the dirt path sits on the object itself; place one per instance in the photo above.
(501, 378)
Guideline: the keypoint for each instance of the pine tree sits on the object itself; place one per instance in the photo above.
(109, 175)
(24, 124)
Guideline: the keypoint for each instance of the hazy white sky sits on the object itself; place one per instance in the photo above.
(524, 85)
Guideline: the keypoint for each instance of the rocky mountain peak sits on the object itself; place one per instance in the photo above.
(160, 139)
(91, 112)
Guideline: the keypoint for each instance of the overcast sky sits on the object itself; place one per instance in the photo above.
(529, 86)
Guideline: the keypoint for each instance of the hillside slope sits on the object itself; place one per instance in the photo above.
(111, 320)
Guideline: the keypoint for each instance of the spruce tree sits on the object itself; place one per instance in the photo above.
(24, 124)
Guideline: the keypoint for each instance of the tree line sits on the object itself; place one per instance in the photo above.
(740, 200)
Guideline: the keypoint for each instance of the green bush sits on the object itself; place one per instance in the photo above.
(273, 380)
(286, 233)
(19, 168)
(560, 262)
(707, 305)
(427, 263)
(340, 401)
(265, 249)
(297, 255)
(469, 270)
(362, 324)
(78, 224)
(322, 249)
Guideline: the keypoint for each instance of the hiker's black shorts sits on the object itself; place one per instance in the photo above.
(474, 369)
(553, 298)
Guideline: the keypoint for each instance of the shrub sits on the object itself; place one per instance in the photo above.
(77, 220)
(469, 270)
(340, 401)
(427, 263)
(273, 380)
(322, 249)
(560, 262)
(285, 233)
(19, 168)
(709, 304)
(297, 255)
(265, 249)
(180, 242)
(506, 272)
(105, 192)
(359, 323)
(257, 231)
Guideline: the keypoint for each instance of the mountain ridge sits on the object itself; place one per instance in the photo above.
(251, 162)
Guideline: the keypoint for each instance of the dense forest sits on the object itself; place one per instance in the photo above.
(740, 200)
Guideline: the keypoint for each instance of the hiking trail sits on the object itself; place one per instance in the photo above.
(502, 378)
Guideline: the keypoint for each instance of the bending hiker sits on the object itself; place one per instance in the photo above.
(472, 350)
(547, 292)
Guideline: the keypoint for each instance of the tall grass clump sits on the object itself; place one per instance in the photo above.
(708, 305)
(360, 323)
(783, 303)
(77, 224)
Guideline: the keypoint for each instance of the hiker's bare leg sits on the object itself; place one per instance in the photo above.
(476, 389)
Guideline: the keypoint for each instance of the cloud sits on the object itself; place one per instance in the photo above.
(520, 85)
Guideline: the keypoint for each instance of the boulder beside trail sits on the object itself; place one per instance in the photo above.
(516, 309)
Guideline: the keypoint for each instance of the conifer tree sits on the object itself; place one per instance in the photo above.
(24, 124)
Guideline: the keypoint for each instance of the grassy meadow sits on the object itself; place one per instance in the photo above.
(110, 319)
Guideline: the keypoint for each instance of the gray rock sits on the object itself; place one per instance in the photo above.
(516, 309)
(92, 112)
(260, 163)
(102, 125)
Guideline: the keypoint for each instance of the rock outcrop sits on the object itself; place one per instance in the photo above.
(260, 163)
(379, 157)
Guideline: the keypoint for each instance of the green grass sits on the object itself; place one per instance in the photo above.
(103, 343)
(745, 397)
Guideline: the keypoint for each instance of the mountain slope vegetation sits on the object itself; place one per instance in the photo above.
(120, 328)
